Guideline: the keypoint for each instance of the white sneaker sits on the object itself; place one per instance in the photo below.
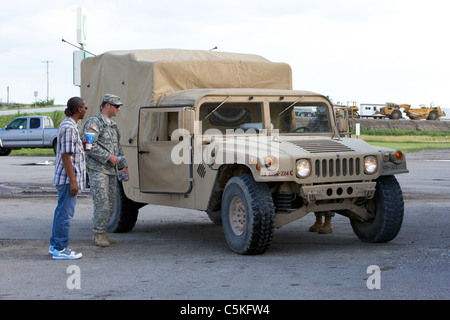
(66, 254)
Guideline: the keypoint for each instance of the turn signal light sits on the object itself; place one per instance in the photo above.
(397, 157)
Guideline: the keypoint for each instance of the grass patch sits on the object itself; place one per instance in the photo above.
(409, 143)
(38, 152)
(399, 132)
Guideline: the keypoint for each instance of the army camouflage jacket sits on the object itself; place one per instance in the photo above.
(106, 143)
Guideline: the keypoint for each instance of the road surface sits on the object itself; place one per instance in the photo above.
(176, 254)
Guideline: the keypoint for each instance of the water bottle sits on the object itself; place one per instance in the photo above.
(121, 176)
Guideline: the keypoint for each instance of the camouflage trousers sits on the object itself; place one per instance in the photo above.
(103, 193)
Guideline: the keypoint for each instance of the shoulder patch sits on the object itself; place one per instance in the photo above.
(95, 128)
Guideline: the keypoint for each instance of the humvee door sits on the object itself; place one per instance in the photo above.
(159, 172)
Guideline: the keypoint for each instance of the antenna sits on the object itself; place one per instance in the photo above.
(80, 48)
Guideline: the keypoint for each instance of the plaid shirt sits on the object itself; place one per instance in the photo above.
(69, 141)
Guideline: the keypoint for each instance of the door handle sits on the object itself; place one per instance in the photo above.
(143, 151)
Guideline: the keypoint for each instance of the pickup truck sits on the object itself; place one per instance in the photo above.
(28, 132)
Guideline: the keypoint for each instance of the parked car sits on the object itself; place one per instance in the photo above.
(28, 132)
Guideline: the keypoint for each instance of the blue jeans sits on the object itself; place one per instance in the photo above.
(63, 215)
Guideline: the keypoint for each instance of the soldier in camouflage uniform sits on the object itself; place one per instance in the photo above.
(103, 164)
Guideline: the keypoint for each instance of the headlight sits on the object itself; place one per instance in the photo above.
(303, 167)
(370, 164)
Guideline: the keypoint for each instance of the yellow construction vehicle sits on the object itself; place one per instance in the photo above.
(429, 113)
(351, 105)
(351, 109)
(392, 110)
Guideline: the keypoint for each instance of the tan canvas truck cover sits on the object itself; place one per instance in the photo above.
(142, 77)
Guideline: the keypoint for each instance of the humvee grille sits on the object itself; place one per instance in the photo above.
(340, 167)
(320, 146)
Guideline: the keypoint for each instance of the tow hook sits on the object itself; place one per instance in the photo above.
(370, 192)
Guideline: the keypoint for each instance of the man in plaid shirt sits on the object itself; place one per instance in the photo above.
(70, 176)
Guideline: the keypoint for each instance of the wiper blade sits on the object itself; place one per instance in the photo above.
(301, 98)
(221, 104)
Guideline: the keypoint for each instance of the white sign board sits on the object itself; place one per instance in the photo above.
(81, 26)
(78, 56)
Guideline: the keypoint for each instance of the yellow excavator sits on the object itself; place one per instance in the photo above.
(392, 111)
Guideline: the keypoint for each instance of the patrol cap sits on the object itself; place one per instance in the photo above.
(111, 99)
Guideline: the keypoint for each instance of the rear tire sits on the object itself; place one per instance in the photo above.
(248, 215)
(125, 213)
(388, 207)
(55, 146)
(215, 217)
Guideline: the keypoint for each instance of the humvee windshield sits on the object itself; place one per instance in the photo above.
(300, 118)
(245, 118)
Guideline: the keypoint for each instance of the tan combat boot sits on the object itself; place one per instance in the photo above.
(110, 240)
(317, 225)
(101, 240)
(327, 226)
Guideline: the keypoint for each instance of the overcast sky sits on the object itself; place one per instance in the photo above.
(369, 51)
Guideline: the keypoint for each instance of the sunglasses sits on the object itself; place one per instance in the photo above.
(115, 106)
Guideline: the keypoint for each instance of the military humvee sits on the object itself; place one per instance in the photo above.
(226, 134)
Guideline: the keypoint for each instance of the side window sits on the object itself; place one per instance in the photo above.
(35, 123)
(18, 124)
(158, 125)
(47, 123)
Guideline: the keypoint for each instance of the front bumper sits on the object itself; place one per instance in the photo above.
(313, 193)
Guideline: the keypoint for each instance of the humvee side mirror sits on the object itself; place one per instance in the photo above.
(342, 120)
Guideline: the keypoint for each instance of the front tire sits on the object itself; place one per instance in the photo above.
(248, 215)
(388, 207)
(5, 151)
(396, 115)
(125, 213)
(433, 115)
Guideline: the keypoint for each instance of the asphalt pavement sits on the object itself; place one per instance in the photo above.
(178, 254)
